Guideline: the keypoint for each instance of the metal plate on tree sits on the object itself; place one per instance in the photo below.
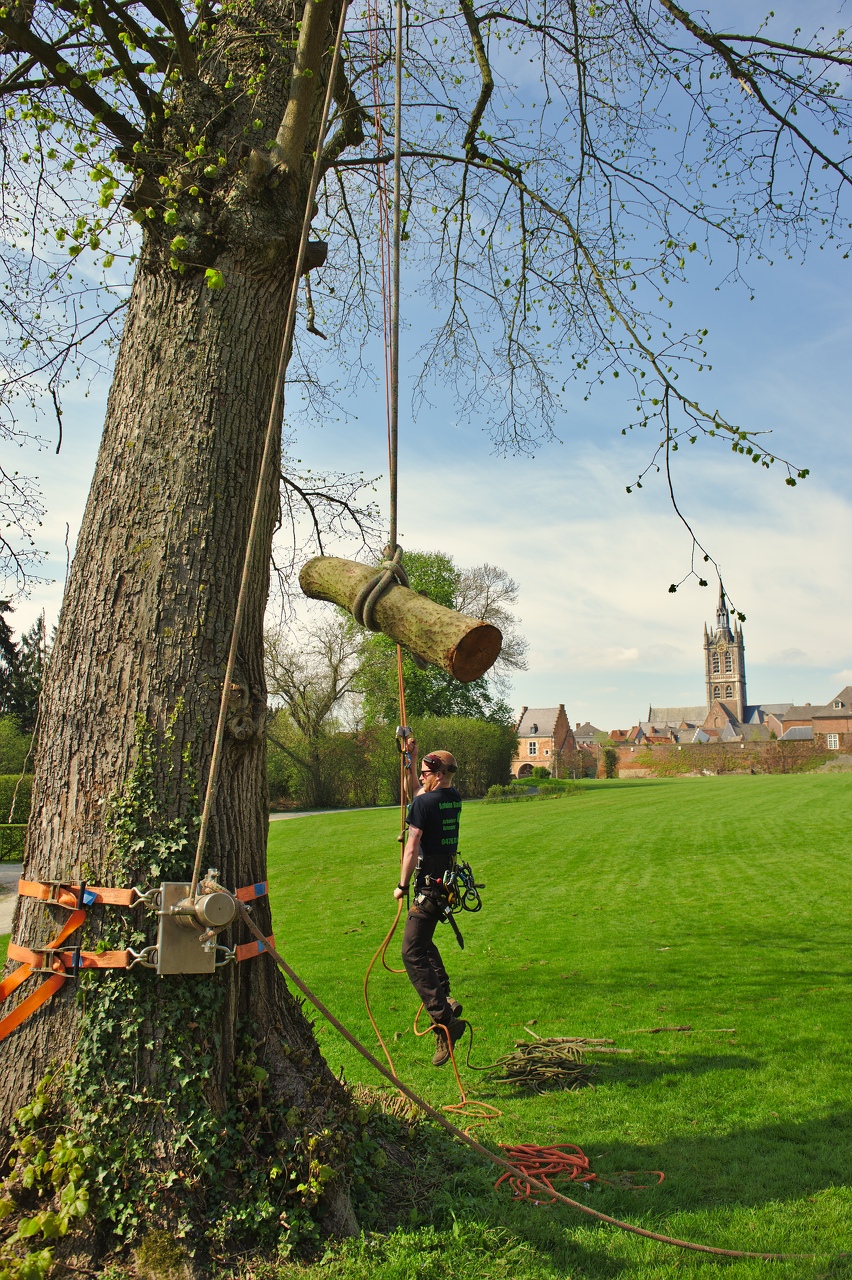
(179, 949)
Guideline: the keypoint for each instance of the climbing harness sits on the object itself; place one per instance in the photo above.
(214, 911)
(455, 891)
(462, 889)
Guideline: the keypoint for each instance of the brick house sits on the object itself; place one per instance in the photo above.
(544, 738)
(830, 726)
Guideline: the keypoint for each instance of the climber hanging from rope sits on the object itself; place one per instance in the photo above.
(430, 851)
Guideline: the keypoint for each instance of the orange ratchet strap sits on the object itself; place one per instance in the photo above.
(59, 964)
(60, 894)
(43, 992)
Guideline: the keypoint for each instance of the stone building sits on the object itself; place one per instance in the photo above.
(724, 662)
(728, 717)
(544, 738)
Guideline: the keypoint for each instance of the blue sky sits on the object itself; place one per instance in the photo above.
(594, 563)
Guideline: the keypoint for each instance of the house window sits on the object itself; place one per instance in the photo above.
(533, 748)
(546, 752)
(832, 741)
(838, 705)
(717, 691)
(729, 663)
(533, 728)
(716, 667)
(729, 693)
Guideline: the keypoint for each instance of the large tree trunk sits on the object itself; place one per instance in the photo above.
(143, 638)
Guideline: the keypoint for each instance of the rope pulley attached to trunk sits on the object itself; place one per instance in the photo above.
(186, 936)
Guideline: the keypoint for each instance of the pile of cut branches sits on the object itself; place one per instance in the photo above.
(558, 1062)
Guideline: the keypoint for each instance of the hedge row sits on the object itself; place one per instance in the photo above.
(342, 770)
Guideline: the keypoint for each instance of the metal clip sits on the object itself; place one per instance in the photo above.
(147, 957)
(230, 954)
(150, 897)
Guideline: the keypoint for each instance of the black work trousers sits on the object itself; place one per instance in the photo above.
(422, 959)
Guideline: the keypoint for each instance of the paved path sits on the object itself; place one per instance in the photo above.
(318, 813)
(9, 875)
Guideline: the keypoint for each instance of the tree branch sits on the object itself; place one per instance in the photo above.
(112, 32)
(487, 88)
(744, 77)
(289, 148)
(51, 59)
(171, 14)
(350, 130)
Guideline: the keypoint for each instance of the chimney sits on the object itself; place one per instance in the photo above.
(578, 724)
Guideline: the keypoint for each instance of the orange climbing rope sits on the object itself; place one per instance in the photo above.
(562, 1160)
(467, 1107)
(381, 951)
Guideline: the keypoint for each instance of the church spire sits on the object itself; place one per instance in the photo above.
(724, 661)
(723, 620)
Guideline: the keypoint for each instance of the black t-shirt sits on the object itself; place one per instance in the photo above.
(436, 814)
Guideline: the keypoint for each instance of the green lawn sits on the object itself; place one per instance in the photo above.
(717, 902)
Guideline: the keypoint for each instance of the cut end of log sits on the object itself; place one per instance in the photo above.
(476, 652)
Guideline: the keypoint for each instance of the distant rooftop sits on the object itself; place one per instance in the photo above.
(674, 715)
(538, 722)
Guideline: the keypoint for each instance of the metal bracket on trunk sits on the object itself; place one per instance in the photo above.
(186, 938)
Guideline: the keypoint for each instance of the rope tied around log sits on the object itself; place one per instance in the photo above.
(391, 571)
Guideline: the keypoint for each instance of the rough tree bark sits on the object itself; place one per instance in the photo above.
(143, 637)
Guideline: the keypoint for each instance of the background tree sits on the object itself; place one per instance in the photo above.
(14, 749)
(309, 672)
(177, 138)
(22, 668)
(484, 592)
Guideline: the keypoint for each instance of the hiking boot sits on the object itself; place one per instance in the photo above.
(456, 1029)
(455, 1007)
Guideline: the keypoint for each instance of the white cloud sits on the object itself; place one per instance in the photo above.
(790, 657)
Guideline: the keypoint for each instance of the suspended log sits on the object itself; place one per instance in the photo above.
(463, 646)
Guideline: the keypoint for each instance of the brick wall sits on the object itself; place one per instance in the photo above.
(723, 757)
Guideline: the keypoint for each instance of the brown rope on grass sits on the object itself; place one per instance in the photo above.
(477, 1146)
(543, 1065)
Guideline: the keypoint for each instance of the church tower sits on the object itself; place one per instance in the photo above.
(724, 661)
